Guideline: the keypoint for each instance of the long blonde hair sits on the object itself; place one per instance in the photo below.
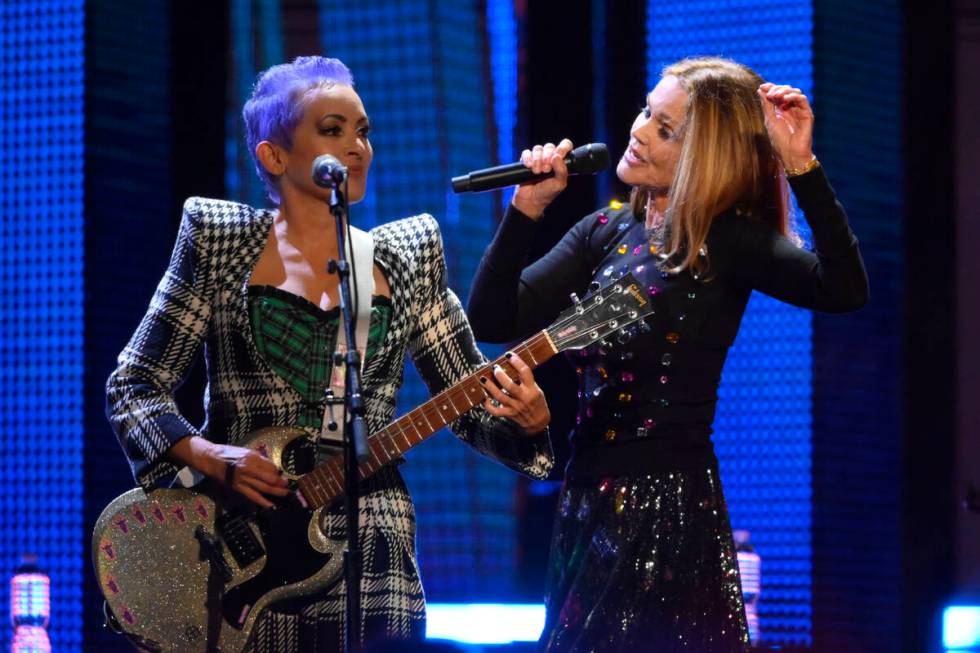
(726, 160)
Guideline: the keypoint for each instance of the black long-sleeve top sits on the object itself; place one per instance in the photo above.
(648, 405)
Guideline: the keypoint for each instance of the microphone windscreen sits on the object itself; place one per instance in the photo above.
(588, 159)
(328, 171)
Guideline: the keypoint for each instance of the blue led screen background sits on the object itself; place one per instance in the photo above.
(763, 429)
(441, 84)
(41, 328)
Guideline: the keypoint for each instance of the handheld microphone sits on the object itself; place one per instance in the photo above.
(328, 172)
(585, 160)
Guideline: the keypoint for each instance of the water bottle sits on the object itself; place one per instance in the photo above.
(750, 568)
(30, 607)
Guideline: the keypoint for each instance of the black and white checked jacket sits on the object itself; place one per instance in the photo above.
(202, 299)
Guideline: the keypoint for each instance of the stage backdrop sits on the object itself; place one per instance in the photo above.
(808, 441)
(41, 318)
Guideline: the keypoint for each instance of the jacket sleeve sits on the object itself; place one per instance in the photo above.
(831, 278)
(508, 300)
(444, 351)
(140, 400)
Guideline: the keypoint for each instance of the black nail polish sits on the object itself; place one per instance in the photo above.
(483, 380)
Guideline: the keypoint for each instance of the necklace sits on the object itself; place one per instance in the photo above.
(656, 229)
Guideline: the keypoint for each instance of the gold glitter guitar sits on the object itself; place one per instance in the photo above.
(190, 570)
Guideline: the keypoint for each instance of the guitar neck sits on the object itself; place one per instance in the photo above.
(325, 483)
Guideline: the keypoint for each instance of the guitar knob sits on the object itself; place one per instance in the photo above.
(595, 286)
(623, 336)
(644, 327)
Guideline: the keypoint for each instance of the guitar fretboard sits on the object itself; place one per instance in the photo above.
(325, 483)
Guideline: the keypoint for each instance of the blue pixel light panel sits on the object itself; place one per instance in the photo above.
(763, 426)
(41, 348)
(424, 84)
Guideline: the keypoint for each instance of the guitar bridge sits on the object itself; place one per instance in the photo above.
(241, 541)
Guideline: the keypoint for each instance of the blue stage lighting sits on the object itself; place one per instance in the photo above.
(485, 623)
(961, 627)
(763, 426)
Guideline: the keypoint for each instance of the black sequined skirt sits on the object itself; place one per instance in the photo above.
(644, 563)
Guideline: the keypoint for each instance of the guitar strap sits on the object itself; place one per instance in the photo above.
(363, 291)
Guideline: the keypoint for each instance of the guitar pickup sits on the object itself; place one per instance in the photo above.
(241, 541)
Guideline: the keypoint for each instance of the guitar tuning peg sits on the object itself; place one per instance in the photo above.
(623, 336)
(575, 299)
(595, 286)
(644, 327)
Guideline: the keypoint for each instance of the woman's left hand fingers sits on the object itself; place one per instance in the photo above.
(783, 96)
(520, 400)
(495, 388)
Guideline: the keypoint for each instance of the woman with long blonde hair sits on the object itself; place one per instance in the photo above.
(642, 557)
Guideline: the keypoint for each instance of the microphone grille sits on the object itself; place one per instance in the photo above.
(327, 171)
(590, 158)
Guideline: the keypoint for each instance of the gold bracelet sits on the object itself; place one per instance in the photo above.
(807, 167)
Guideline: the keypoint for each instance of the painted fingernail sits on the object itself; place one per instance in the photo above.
(483, 380)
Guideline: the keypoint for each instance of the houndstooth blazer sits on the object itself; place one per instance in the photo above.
(202, 299)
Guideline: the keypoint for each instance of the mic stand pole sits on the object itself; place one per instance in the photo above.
(355, 433)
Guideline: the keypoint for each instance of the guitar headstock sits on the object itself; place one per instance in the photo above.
(603, 313)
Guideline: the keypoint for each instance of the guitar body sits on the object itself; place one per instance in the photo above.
(190, 571)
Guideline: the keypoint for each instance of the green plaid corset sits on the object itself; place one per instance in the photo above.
(297, 339)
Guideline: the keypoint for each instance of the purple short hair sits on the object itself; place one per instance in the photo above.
(277, 104)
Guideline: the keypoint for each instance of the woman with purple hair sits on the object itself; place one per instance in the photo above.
(251, 286)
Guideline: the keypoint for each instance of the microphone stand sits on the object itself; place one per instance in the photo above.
(355, 432)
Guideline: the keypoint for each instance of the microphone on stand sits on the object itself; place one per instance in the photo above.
(328, 172)
(585, 160)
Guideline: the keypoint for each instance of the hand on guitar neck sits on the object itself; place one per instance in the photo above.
(241, 470)
(520, 400)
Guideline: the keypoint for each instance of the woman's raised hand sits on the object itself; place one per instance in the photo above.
(531, 198)
(789, 121)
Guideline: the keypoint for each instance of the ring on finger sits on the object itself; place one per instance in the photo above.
(495, 403)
